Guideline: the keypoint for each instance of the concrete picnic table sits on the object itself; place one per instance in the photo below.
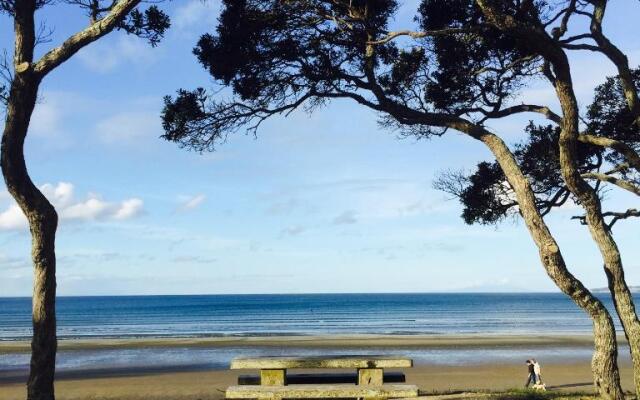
(370, 367)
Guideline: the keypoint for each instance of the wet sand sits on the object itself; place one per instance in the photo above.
(477, 341)
(156, 383)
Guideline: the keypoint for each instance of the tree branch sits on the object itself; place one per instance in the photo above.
(617, 57)
(417, 34)
(544, 110)
(73, 44)
(627, 151)
(624, 184)
(632, 212)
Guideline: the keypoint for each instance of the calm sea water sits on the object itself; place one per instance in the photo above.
(316, 314)
(259, 315)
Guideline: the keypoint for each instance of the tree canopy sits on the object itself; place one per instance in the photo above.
(149, 23)
(457, 71)
(488, 199)
(281, 55)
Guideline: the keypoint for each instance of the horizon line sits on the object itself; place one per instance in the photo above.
(299, 294)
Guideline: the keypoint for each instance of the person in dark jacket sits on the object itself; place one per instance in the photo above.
(531, 378)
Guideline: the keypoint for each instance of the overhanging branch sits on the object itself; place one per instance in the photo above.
(624, 184)
(617, 216)
(73, 44)
(422, 34)
(627, 151)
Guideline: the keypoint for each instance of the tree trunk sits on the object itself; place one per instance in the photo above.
(534, 37)
(41, 215)
(43, 222)
(604, 362)
(598, 228)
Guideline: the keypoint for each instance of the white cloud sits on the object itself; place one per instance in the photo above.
(61, 195)
(129, 127)
(108, 55)
(194, 14)
(12, 218)
(93, 208)
(90, 209)
(129, 209)
(191, 202)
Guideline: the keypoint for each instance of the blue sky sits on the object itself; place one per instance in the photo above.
(327, 202)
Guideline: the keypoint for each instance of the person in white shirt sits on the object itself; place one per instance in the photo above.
(536, 371)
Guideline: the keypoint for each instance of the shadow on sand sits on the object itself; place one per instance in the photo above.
(570, 385)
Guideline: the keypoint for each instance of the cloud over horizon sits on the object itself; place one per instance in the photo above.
(62, 196)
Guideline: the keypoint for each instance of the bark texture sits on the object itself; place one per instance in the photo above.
(43, 222)
(604, 361)
(598, 228)
(40, 213)
(537, 39)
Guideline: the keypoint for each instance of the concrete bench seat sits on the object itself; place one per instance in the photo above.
(332, 362)
(323, 391)
(343, 377)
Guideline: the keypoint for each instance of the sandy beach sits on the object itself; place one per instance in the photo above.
(211, 384)
(185, 383)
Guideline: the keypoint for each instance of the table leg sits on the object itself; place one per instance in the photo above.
(370, 376)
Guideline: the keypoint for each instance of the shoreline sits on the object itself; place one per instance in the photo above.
(317, 341)
(195, 381)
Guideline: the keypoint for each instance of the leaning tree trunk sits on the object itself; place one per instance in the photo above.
(43, 221)
(532, 37)
(600, 232)
(620, 293)
(40, 213)
(604, 362)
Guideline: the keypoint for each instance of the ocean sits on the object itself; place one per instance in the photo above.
(165, 317)
(305, 314)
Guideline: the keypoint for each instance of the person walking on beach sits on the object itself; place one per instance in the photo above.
(531, 378)
(536, 371)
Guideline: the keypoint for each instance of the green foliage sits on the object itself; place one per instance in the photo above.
(483, 195)
(150, 24)
(609, 114)
(279, 56)
(456, 83)
(487, 198)
(276, 57)
(185, 110)
(8, 6)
